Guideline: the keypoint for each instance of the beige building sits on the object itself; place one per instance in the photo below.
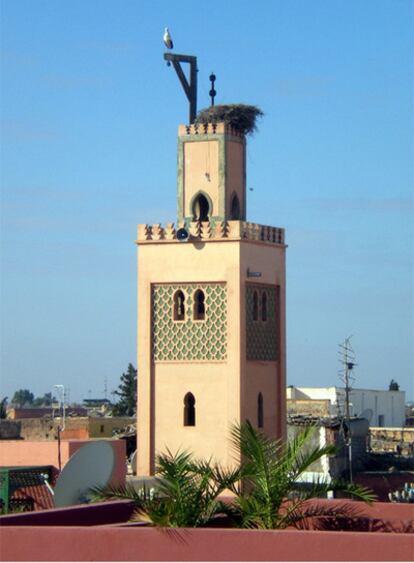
(211, 309)
(382, 407)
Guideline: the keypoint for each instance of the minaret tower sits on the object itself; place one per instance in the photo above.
(211, 309)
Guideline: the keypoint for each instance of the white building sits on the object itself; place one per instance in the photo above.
(381, 408)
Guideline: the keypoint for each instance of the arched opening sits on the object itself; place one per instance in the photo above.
(189, 410)
(179, 306)
(260, 410)
(235, 208)
(199, 306)
(201, 208)
(264, 306)
(255, 306)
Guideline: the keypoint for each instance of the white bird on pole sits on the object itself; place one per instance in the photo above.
(168, 42)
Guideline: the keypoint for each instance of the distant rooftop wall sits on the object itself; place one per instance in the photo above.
(40, 412)
(308, 407)
(79, 428)
(26, 453)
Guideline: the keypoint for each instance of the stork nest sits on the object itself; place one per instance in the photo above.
(241, 117)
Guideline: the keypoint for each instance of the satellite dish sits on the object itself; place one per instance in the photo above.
(90, 466)
(182, 235)
(368, 414)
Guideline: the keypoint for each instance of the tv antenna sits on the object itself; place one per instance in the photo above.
(347, 359)
(59, 406)
(61, 409)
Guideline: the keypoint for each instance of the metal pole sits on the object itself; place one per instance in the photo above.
(62, 422)
(193, 90)
(347, 414)
(348, 361)
(59, 454)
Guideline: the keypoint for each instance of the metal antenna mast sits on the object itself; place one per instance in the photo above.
(189, 87)
(348, 361)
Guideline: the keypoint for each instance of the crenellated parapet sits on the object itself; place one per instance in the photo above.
(209, 129)
(209, 231)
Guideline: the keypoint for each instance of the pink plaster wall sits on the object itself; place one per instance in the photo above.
(99, 532)
(109, 543)
(392, 517)
(25, 452)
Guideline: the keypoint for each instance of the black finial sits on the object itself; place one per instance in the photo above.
(212, 92)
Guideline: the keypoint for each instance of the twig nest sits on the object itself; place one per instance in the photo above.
(241, 117)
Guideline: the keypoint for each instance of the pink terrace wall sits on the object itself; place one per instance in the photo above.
(25, 452)
(109, 543)
(377, 517)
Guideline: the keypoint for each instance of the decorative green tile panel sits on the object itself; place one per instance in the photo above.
(261, 336)
(189, 340)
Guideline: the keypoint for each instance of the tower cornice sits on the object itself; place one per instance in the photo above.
(212, 231)
(199, 129)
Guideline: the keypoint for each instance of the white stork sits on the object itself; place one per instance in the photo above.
(168, 42)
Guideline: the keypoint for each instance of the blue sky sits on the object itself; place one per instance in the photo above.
(89, 123)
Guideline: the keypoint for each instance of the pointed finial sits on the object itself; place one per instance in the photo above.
(212, 92)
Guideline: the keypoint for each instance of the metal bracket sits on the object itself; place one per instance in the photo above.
(190, 88)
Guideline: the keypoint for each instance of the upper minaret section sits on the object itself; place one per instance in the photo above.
(211, 175)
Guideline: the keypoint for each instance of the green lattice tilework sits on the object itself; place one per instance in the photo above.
(261, 336)
(189, 340)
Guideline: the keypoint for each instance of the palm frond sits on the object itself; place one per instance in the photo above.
(354, 490)
(302, 461)
(304, 515)
(271, 473)
(120, 492)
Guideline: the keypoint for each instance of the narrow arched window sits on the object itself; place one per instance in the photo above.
(260, 410)
(201, 208)
(264, 306)
(255, 306)
(199, 306)
(179, 306)
(189, 410)
(235, 208)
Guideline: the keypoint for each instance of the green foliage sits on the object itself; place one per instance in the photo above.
(239, 116)
(185, 495)
(45, 401)
(393, 386)
(266, 484)
(188, 491)
(127, 391)
(139, 497)
(22, 397)
(271, 475)
(3, 408)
